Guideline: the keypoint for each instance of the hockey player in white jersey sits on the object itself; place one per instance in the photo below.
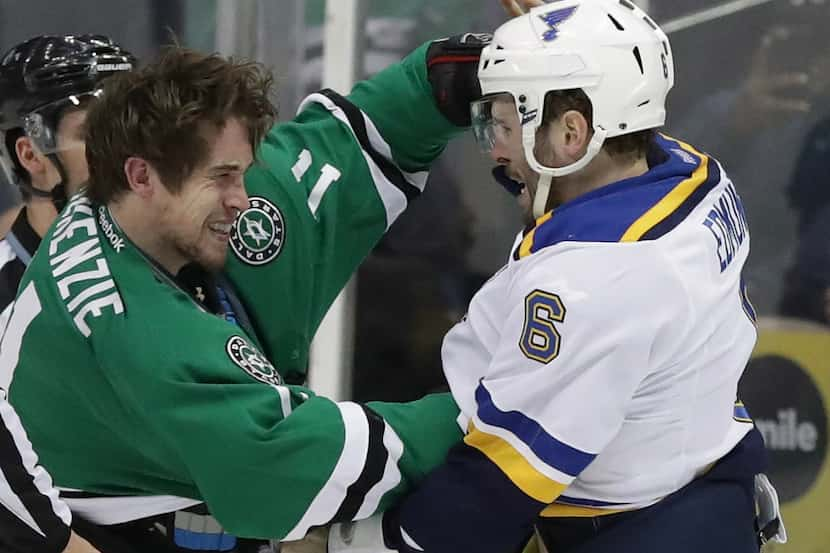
(597, 371)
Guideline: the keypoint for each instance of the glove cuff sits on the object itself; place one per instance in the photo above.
(364, 536)
(452, 69)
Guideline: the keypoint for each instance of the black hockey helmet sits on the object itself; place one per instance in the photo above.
(39, 79)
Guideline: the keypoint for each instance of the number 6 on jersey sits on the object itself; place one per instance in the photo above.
(540, 339)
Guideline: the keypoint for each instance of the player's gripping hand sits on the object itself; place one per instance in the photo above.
(452, 65)
(316, 541)
(515, 8)
(452, 68)
(78, 545)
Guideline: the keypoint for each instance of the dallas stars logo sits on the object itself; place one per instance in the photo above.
(258, 232)
(251, 361)
(254, 231)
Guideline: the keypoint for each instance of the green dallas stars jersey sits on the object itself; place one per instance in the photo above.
(328, 186)
(128, 387)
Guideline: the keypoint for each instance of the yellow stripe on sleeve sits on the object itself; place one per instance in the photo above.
(515, 466)
(558, 510)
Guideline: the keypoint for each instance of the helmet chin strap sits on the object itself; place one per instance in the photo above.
(58, 192)
(540, 200)
(546, 173)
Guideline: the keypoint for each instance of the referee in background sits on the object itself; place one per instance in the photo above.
(41, 80)
(33, 519)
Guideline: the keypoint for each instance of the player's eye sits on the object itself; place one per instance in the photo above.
(222, 177)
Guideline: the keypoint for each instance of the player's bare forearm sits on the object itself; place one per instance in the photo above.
(79, 545)
(515, 8)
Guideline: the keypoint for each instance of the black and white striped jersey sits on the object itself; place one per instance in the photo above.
(32, 516)
(16, 251)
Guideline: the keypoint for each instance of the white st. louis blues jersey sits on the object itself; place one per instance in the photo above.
(599, 368)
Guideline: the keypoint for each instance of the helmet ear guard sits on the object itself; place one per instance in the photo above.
(609, 49)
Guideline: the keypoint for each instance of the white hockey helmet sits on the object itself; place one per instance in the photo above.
(610, 49)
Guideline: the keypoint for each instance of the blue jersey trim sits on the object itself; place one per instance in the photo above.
(557, 454)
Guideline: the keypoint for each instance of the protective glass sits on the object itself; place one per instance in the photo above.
(8, 178)
(494, 120)
(41, 125)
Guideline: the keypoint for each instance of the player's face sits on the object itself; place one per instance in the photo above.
(507, 150)
(198, 222)
(72, 150)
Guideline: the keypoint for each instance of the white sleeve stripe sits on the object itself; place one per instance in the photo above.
(417, 179)
(40, 478)
(394, 199)
(347, 470)
(116, 510)
(285, 400)
(409, 541)
(524, 451)
(391, 473)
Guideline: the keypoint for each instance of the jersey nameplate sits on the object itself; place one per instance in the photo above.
(79, 267)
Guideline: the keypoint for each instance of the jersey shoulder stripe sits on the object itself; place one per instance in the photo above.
(679, 202)
(358, 123)
(635, 209)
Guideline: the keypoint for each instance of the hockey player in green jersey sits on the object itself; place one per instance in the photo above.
(141, 370)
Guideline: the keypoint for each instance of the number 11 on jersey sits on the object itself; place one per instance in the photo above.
(328, 176)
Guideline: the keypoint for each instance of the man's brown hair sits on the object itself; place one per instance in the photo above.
(163, 112)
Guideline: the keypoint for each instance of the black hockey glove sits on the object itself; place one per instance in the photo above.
(452, 67)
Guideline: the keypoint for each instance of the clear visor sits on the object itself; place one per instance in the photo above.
(494, 120)
(8, 178)
(42, 124)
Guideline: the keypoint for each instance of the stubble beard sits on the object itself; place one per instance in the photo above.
(201, 254)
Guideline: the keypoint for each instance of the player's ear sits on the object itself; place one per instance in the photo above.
(141, 176)
(29, 156)
(577, 133)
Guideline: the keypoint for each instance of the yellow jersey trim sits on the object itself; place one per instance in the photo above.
(672, 200)
(515, 466)
(526, 246)
(560, 510)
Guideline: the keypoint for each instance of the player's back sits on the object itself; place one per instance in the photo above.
(85, 302)
(683, 415)
(618, 331)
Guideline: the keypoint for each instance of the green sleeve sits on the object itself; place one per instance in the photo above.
(400, 103)
(326, 187)
(428, 429)
(269, 460)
